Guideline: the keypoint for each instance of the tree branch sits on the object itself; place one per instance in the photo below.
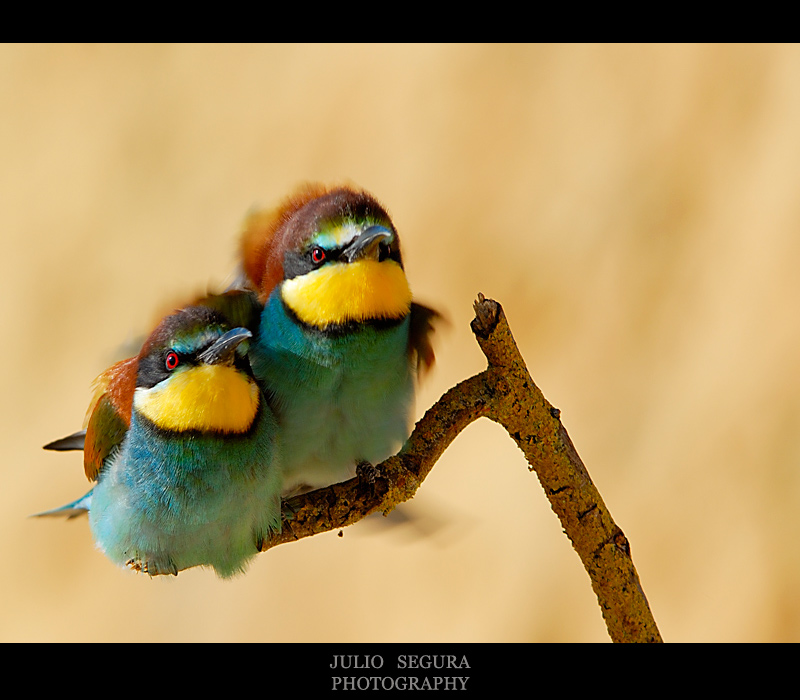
(505, 393)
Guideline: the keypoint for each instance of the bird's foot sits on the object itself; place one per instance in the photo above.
(367, 472)
(289, 508)
(368, 475)
(153, 567)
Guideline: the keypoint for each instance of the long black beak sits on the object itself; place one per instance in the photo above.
(223, 349)
(367, 245)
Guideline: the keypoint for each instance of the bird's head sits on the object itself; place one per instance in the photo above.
(205, 385)
(333, 254)
(193, 374)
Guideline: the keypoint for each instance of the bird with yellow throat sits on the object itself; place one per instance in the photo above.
(341, 339)
(184, 449)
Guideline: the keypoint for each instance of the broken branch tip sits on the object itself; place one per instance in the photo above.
(487, 314)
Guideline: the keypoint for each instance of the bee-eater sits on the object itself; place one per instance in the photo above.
(183, 447)
(340, 339)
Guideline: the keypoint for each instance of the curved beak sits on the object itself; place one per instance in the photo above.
(222, 350)
(367, 245)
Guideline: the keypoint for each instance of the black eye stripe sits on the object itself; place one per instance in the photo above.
(318, 254)
(299, 262)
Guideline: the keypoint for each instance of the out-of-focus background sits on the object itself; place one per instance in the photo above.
(636, 210)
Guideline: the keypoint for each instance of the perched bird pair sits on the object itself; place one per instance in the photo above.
(236, 400)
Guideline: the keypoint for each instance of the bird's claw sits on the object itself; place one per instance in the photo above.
(367, 472)
(152, 568)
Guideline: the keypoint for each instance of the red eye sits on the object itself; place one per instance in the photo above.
(317, 255)
(172, 360)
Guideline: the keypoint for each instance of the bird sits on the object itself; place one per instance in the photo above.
(184, 450)
(341, 340)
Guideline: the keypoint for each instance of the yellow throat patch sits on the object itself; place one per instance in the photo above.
(342, 292)
(217, 398)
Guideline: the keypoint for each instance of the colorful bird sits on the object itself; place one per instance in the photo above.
(341, 339)
(184, 449)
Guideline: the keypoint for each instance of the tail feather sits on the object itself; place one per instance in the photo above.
(71, 442)
(69, 511)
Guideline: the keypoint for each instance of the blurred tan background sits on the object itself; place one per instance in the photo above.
(634, 208)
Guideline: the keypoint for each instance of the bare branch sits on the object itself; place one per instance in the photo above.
(506, 394)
